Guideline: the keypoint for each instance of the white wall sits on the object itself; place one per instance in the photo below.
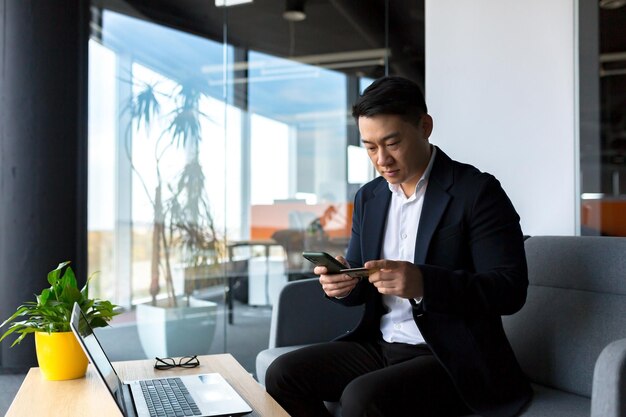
(500, 85)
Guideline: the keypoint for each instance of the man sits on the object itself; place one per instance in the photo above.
(446, 254)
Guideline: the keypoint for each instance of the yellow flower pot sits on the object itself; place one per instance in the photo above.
(60, 356)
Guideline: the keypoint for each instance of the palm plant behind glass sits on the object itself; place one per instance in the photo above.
(183, 220)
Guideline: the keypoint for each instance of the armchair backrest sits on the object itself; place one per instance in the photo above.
(576, 305)
(304, 315)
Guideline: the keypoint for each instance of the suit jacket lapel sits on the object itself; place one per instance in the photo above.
(375, 211)
(435, 203)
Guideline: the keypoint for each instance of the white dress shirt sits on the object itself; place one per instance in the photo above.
(397, 325)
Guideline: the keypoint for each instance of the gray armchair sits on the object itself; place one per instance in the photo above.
(303, 316)
(570, 337)
(608, 397)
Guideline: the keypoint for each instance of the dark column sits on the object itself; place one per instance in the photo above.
(352, 130)
(590, 146)
(43, 151)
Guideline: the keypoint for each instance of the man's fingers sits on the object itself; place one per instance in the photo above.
(382, 283)
(337, 287)
(320, 270)
(335, 278)
(382, 275)
(381, 264)
(337, 282)
(343, 261)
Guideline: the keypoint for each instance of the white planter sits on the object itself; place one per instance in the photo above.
(176, 331)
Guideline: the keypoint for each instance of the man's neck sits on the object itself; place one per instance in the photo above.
(408, 188)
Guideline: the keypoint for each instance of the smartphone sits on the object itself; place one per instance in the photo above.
(333, 265)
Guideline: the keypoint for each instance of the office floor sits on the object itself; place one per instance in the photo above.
(243, 339)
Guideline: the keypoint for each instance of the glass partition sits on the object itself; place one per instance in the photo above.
(158, 179)
(219, 153)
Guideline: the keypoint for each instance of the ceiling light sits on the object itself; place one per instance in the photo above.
(330, 60)
(612, 4)
(227, 3)
(294, 11)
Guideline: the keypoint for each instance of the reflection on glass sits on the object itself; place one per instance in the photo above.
(207, 180)
(157, 149)
(160, 135)
(299, 147)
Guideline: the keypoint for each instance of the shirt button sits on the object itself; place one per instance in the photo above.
(397, 326)
(403, 235)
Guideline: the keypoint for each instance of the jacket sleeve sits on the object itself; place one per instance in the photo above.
(494, 279)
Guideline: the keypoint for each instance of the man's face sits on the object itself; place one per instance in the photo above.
(398, 149)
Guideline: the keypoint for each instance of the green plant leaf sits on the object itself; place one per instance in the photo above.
(98, 322)
(63, 265)
(85, 289)
(21, 310)
(45, 295)
(53, 307)
(53, 276)
(69, 279)
(23, 334)
(71, 295)
(86, 304)
(16, 327)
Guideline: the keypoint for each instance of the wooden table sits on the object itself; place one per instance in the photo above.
(89, 397)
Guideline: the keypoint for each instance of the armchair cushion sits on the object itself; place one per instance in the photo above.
(267, 356)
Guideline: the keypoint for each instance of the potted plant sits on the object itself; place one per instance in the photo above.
(58, 353)
(183, 231)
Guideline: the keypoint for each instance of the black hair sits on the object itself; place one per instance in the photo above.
(391, 95)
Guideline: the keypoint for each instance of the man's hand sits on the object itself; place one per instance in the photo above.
(399, 278)
(336, 285)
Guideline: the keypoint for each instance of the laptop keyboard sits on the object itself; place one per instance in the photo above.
(168, 397)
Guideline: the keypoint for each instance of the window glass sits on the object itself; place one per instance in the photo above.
(158, 174)
(214, 162)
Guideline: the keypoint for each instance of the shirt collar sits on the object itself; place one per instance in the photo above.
(395, 188)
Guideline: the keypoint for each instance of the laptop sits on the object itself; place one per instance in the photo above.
(206, 395)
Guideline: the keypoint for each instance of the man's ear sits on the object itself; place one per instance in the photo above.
(427, 125)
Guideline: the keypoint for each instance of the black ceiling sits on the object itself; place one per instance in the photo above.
(331, 26)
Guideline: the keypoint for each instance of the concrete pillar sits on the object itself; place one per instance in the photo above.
(43, 151)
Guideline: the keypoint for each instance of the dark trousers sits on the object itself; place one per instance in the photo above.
(369, 379)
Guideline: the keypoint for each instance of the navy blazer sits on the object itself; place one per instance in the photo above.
(470, 250)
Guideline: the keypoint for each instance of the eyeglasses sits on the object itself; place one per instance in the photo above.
(184, 362)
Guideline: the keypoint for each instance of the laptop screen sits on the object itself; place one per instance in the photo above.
(93, 349)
